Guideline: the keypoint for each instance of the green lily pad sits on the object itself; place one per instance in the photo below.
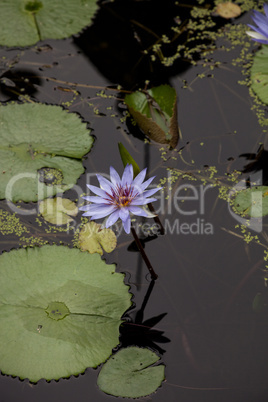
(259, 74)
(60, 311)
(129, 373)
(252, 202)
(58, 211)
(38, 141)
(25, 22)
(94, 239)
(155, 111)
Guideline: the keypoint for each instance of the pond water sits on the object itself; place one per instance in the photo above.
(206, 314)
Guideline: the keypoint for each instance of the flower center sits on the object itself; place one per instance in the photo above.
(122, 196)
(123, 201)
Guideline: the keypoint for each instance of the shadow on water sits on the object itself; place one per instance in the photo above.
(140, 332)
(135, 27)
(15, 83)
(257, 163)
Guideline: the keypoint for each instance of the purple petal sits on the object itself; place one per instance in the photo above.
(100, 215)
(97, 190)
(137, 211)
(127, 177)
(92, 207)
(148, 193)
(259, 18)
(99, 209)
(262, 23)
(263, 41)
(105, 184)
(103, 213)
(142, 201)
(127, 224)
(260, 29)
(140, 177)
(115, 178)
(252, 27)
(84, 208)
(87, 214)
(112, 218)
(123, 214)
(257, 37)
(97, 200)
(146, 183)
(265, 7)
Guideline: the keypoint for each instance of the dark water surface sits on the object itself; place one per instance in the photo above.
(212, 342)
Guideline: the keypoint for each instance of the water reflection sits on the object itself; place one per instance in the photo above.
(140, 332)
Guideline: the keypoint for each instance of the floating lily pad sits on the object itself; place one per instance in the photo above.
(60, 311)
(58, 211)
(228, 10)
(259, 74)
(36, 140)
(252, 202)
(155, 111)
(27, 22)
(94, 239)
(129, 373)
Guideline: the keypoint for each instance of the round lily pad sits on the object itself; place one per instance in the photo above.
(25, 22)
(39, 141)
(130, 374)
(228, 10)
(94, 239)
(58, 210)
(259, 74)
(60, 311)
(252, 202)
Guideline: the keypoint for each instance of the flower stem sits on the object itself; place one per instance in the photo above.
(154, 276)
(156, 219)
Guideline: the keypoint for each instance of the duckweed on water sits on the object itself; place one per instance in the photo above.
(10, 224)
(12, 228)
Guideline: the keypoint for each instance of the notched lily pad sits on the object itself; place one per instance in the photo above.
(130, 374)
(26, 22)
(41, 151)
(60, 311)
(252, 202)
(58, 211)
(259, 74)
(94, 239)
(155, 111)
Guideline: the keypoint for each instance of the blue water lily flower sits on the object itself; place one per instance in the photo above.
(261, 31)
(119, 198)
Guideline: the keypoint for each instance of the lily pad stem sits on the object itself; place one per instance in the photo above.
(154, 276)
